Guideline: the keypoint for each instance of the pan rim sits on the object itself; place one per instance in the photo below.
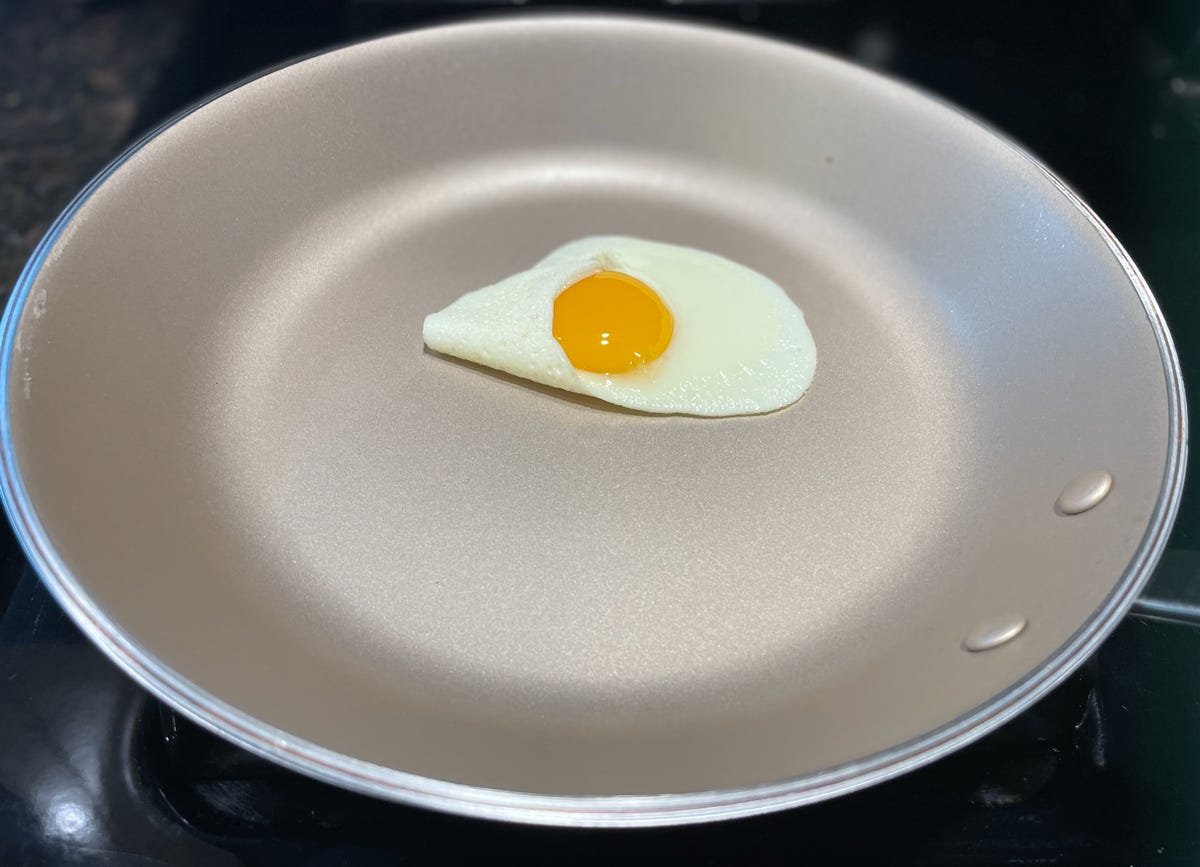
(333, 767)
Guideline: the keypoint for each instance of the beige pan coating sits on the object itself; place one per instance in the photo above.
(233, 463)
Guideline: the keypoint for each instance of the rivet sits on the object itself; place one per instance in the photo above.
(994, 632)
(1084, 492)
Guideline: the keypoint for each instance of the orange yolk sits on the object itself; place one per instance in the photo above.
(609, 322)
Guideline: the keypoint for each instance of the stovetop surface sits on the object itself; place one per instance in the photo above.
(1104, 771)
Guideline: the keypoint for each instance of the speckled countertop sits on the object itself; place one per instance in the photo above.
(77, 80)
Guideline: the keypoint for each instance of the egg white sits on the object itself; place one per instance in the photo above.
(740, 345)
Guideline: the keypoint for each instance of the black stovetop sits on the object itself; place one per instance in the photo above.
(1105, 770)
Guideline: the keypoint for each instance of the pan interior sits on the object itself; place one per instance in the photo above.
(227, 424)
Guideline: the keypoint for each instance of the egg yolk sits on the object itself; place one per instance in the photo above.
(609, 322)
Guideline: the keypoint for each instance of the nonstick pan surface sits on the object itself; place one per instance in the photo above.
(231, 459)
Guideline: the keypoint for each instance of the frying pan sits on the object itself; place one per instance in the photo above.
(231, 460)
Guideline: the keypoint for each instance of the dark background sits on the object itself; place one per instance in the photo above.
(1105, 771)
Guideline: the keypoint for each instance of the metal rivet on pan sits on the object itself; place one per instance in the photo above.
(994, 632)
(1084, 492)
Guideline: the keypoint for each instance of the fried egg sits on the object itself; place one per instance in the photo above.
(644, 325)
